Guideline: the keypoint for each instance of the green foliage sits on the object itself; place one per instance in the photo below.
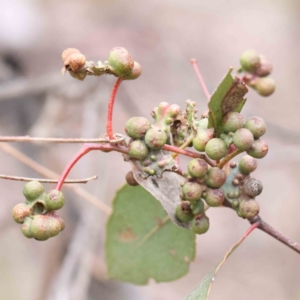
(226, 98)
(142, 243)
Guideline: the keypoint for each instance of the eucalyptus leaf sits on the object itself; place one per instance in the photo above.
(166, 190)
(142, 243)
(226, 98)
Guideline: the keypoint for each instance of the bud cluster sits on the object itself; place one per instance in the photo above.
(147, 140)
(119, 64)
(37, 214)
(257, 68)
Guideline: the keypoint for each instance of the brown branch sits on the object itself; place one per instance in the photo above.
(18, 178)
(48, 173)
(275, 234)
(229, 157)
(189, 153)
(28, 139)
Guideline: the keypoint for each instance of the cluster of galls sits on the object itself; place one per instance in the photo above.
(202, 183)
(257, 68)
(240, 189)
(147, 140)
(236, 135)
(37, 215)
(119, 64)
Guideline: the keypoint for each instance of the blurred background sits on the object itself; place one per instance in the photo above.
(36, 100)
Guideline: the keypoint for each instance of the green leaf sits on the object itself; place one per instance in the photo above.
(226, 98)
(201, 292)
(166, 190)
(142, 243)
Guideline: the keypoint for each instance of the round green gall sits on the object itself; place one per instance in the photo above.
(183, 212)
(173, 111)
(26, 227)
(32, 190)
(214, 197)
(54, 200)
(120, 62)
(252, 187)
(215, 177)
(137, 127)
(197, 168)
(138, 150)
(232, 121)
(203, 123)
(134, 73)
(46, 226)
(259, 149)
(216, 148)
(250, 61)
(192, 191)
(20, 212)
(155, 138)
(247, 164)
(265, 86)
(130, 179)
(248, 209)
(243, 139)
(198, 207)
(257, 126)
(200, 224)
(202, 138)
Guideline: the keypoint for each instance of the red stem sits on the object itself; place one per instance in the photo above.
(109, 129)
(83, 151)
(197, 71)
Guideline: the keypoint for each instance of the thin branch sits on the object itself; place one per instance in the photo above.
(27, 139)
(109, 129)
(17, 178)
(275, 234)
(197, 71)
(83, 151)
(48, 173)
(189, 153)
(229, 157)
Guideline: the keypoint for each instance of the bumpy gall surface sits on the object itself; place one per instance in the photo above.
(265, 86)
(216, 148)
(184, 214)
(214, 197)
(20, 212)
(243, 139)
(252, 187)
(54, 200)
(137, 127)
(200, 224)
(138, 150)
(248, 209)
(202, 138)
(155, 138)
(247, 164)
(259, 149)
(32, 190)
(197, 168)
(250, 61)
(232, 121)
(192, 191)
(135, 72)
(215, 177)
(120, 61)
(257, 126)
